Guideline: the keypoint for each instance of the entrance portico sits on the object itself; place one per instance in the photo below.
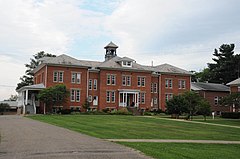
(27, 99)
(128, 98)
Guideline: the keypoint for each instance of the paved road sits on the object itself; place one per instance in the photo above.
(23, 138)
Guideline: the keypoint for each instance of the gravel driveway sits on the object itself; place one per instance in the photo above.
(23, 138)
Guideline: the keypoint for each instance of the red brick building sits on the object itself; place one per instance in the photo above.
(114, 83)
(213, 93)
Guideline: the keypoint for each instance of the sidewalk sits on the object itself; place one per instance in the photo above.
(175, 141)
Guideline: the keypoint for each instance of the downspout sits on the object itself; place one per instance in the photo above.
(46, 72)
(159, 90)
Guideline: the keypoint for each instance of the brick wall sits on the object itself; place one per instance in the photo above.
(210, 96)
(175, 88)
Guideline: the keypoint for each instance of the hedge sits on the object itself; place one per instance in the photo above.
(231, 115)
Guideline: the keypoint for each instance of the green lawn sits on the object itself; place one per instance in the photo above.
(187, 150)
(132, 127)
(232, 122)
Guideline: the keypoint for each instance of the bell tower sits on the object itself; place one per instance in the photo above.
(111, 51)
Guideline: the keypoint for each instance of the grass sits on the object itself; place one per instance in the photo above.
(232, 122)
(131, 127)
(187, 150)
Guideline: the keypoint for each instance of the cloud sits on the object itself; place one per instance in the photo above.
(173, 28)
(30, 26)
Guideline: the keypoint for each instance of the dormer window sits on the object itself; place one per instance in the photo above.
(127, 63)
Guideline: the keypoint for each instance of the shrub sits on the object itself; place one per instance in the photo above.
(106, 110)
(231, 115)
(121, 112)
(66, 111)
(148, 113)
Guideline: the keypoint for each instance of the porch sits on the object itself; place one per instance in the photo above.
(128, 98)
(27, 98)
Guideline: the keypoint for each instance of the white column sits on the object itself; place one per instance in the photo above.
(135, 99)
(26, 100)
(126, 99)
(123, 99)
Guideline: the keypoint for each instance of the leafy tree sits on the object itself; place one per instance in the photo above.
(232, 100)
(226, 66)
(190, 103)
(52, 96)
(201, 76)
(204, 108)
(176, 106)
(27, 79)
(192, 100)
(4, 107)
(86, 104)
(12, 98)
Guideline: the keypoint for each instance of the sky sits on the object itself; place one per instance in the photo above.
(181, 33)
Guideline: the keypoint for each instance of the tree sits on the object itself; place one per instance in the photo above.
(86, 104)
(176, 106)
(12, 98)
(52, 96)
(192, 100)
(201, 76)
(27, 79)
(226, 66)
(232, 100)
(190, 103)
(203, 108)
(4, 107)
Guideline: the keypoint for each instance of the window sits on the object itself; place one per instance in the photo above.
(95, 84)
(216, 100)
(72, 95)
(141, 81)
(113, 97)
(58, 76)
(127, 63)
(76, 77)
(143, 98)
(126, 80)
(108, 97)
(75, 95)
(168, 96)
(168, 83)
(155, 100)
(155, 87)
(181, 84)
(90, 84)
(89, 98)
(111, 79)
(108, 79)
(151, 87)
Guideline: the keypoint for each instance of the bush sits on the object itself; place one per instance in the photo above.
(106, 110)
(231, 115)
(94, 113)
(148, 113)
(121, 112)
(66, 111)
